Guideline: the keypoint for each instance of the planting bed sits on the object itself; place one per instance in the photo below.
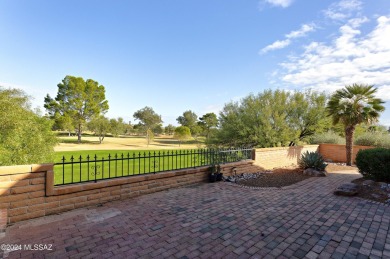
(284, 176)
(377, 191)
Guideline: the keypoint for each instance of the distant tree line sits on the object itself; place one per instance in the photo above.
(267, 119)
(198, 126)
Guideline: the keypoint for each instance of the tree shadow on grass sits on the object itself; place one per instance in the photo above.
(74, 141)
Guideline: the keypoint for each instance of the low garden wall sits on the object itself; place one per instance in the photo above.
(28, 192)
(270, 158)
(337, 153)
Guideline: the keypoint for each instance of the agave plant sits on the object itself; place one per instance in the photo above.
(312, 160)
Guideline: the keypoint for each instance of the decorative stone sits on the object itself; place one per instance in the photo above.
(245, 176)
(347, 189)
(314, 172)
(368, 183)
(229, 179)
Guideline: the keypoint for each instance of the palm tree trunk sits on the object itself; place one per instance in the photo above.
(349, 131)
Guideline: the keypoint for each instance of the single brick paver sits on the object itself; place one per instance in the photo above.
(218, 220)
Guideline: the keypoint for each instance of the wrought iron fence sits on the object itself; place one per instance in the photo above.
(93, 168)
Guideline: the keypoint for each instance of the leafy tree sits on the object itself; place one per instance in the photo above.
(182, 133)
(158, 129)
(148, 120)
(117, 126)
(138, 129)
(77, 99)
(149, 135)
(306, 114)
(25, 136)
(353, 105)
(270, 118)
(377, 128)
(66, 123)
(170, 129)
(339, 128)
(207, 122)
(100, 125)
(196, 130)
(129, 128)
(188, 119)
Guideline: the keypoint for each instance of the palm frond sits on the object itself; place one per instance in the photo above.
(355, 104)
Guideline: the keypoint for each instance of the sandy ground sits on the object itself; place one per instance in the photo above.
(128, 143)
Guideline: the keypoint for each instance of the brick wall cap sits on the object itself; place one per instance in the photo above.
(343, 145)
(20, 169)
(284, 148)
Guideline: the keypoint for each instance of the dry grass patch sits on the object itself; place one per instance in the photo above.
(123, 143)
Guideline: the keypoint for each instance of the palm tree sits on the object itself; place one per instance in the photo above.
(351, 106)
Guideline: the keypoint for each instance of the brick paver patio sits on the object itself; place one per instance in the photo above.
(218, 220)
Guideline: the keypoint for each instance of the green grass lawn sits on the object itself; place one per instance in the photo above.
(104, 164)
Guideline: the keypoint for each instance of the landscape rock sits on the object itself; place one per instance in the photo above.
(314, 172)
(229, 179)
(347, 189)
(368, 183)
(244, 176)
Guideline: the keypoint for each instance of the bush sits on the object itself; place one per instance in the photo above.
(312, 160)
(329, 137)
(25, 136)
(376, 139)
(374, 163)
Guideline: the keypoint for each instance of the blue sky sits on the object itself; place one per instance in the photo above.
(177, 55)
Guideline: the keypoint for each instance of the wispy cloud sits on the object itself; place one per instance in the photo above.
(351, 57)
(280, 44)
(301, 32)
(278, 3)
(342, 10)
(338, 12)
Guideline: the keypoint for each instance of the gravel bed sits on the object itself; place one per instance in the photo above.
(281, 177)
(275, 178)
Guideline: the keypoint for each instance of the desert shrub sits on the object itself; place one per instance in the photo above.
(374, 163)
(376, 139)
(312, 160)
(25, 136)
(327, 137)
